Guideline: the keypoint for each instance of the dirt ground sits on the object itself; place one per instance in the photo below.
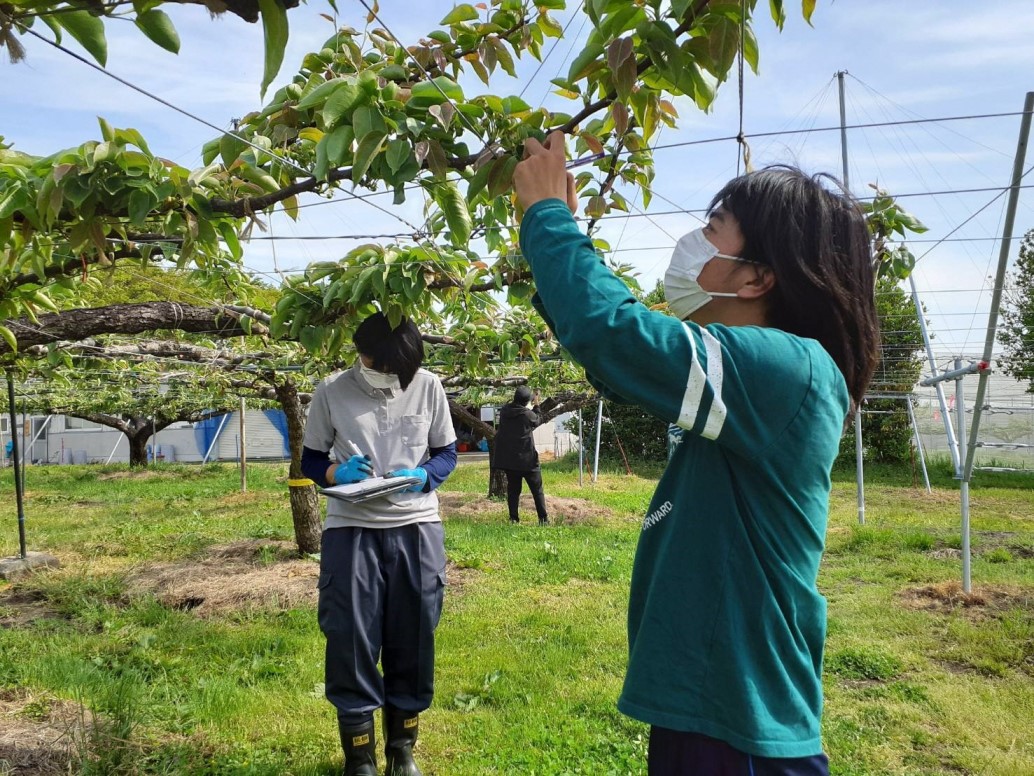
(37, 734)
(562, 511)
(981, 602)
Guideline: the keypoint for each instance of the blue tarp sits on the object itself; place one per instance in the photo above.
(279, 421)
(205, 431)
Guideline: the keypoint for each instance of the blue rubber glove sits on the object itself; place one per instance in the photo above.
(417, 472)
(355, 469)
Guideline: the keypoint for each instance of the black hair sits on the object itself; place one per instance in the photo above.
(817, 244)
(399, 350)
(522, 395)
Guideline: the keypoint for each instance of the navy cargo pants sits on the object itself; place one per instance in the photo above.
(673, 753)
(380, 597)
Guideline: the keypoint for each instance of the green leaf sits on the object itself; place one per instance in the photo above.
(723, 43)
(52, 22)
(514, 104)
(368, 119)
(584, 61)
(88, 30)
(319, 171)
(550, 26)
(344, 99)
(157, 26)
(478, 180)
(435, 92)
(319, 95)
(461, 13)
(778, 12)
(397, 154)
(750, 49)
(501, 176)
(231, 147)
(364, 154)
(596, 207)
(141, 201)
(274, 33)
(620, 21)
(107, 133)
(209, 151)
(503, 56)
(339, 143)
(457, 216)
(808, 8)
(9, 338)
(134, 137)
(233, 243)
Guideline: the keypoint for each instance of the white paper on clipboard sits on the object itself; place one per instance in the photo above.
(371, 487)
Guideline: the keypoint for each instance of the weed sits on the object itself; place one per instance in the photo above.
(859, 663)
(998, 555)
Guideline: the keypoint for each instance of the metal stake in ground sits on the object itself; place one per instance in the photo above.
(14, 567)
(14, 463)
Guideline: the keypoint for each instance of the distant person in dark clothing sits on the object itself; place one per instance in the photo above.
(515, 452)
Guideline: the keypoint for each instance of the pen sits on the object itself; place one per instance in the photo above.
(355, 449)
(584, 160)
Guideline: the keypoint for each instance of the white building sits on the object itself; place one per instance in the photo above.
(64, 439)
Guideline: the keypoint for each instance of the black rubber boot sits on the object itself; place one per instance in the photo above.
(400, 731)
(360, 748)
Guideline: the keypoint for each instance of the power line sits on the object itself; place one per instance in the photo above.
(206, 123)
(837, 128)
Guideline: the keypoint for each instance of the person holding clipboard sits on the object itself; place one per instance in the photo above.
(382, 561)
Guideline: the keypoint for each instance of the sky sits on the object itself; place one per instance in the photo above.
(924, 59)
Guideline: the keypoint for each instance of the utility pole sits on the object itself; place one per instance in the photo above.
(858, 447)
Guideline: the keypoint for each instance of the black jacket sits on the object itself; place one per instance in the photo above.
(514, 447)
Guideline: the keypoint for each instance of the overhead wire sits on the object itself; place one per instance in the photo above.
(283, 160)
(552, 48)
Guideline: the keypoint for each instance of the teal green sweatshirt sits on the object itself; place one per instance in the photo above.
(725, 622)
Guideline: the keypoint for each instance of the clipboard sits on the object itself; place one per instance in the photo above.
(370, 488)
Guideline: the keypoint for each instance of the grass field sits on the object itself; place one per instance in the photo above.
(159, 649)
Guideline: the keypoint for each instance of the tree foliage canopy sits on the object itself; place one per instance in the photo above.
(1017, 329)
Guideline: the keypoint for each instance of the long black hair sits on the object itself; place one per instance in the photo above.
(815, 240)
(399, 350)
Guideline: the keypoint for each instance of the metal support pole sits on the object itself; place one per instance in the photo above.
(949, 431)
(581, 447)
(599, 432)
(42, 428)
(996, 297)
(843, 128)
(244, 455)
(919, 443)
(859, 467)
(960, 408)
(112, 454)
(17, 469)
(215, 439)
(858, 447)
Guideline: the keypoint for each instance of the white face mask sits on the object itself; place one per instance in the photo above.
(681, 289)
(382, 380)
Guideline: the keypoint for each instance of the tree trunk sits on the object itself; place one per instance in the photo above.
(138, 445)
(305, 507)
(496, 483)
(496, 477)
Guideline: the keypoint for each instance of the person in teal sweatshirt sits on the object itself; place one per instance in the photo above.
(772, 342)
